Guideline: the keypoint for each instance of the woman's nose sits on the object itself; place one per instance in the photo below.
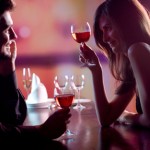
(12, 33)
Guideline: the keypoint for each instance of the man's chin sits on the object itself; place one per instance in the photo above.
(3, 57)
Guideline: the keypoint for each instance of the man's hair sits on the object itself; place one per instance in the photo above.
(6, 5)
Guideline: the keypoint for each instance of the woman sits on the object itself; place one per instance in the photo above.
(122, 32)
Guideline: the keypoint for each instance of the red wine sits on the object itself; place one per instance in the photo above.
(64, 100)
(81, 36)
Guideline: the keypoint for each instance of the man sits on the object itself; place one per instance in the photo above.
(12, 103)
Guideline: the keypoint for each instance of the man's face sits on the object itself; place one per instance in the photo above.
(7, 34)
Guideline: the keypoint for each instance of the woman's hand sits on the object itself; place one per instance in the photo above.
(128, 118)
(88, 56)
(56, 124)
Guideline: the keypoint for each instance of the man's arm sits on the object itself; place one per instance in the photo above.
(12, 104)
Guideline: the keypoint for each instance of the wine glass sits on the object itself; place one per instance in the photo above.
(61, 81)
(77, 83)
(81, 33)
(27, 80)
(64, 99)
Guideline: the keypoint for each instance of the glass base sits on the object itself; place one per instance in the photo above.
(69, 133)
(87, 63)
(67, 137)
(79, 107)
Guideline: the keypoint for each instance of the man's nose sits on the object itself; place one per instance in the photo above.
(13, 35)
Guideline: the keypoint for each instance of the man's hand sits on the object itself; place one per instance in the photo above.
(56, 124)
(13, 51)
(7, 61)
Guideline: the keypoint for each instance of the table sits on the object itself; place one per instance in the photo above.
(90, 135)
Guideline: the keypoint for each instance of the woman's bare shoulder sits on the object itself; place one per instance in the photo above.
(140, 49)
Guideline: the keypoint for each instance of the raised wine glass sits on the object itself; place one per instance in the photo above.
(27, 80)
(77, 83)
(81, 33)
(64, 99)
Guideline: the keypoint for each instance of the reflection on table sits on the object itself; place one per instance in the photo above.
(90, 135)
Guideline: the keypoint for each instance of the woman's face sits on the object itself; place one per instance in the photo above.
(111, 34)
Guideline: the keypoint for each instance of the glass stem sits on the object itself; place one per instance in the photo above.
(82, 43)
(78, 103)
(27, 92)
(62, 90)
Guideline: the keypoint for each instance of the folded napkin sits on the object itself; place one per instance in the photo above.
(38, 91)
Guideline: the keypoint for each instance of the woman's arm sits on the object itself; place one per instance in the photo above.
(107, 110)
(139, 56)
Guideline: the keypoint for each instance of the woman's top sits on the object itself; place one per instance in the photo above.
(138, 105)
